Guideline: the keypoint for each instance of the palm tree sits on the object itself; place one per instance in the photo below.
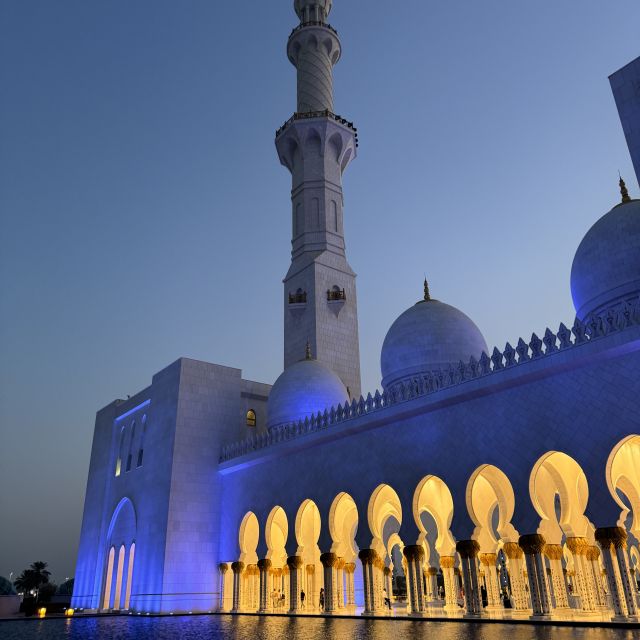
(33, 578)
(39, 569)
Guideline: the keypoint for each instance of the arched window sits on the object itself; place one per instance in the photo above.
(144, 433)
(130, 454)
(120, 453)
(251, 418)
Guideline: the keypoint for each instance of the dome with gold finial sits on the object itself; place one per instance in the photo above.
(428, 336)
(302, 390)
(606, 267)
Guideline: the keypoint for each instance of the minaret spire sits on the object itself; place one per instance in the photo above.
(623, 191)
(427, 295)
(316, 146)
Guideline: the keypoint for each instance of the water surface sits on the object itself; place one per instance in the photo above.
(276, 628)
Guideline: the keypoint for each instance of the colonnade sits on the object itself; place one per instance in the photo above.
(568, 569)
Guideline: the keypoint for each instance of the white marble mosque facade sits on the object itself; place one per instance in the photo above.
(499, 482)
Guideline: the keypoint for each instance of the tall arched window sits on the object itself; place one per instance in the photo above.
(106, 600)
(130, 454)
(144, 433)
(251, 418)
(120, 453)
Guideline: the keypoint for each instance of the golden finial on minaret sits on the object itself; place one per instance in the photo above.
(623, 191)
(307, 353)
(427, 295)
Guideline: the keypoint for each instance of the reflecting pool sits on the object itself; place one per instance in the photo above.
(280, 628)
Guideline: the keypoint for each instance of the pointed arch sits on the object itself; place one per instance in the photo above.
(433, 496)
(276, 533)
(489, 489)
(248, 537)
(343, 524)
(307, 530)
(384, 504)
(558, 474)
(623, 475)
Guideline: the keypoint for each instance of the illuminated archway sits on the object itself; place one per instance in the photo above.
(557, 474)
(248, 538)
(623, 476)
(307, 529)
(489, 489)
(383, 505)
(276, 533)
(343, 524)
(121, 538)
(433, 496)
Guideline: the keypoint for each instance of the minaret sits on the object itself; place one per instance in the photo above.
(316, 146)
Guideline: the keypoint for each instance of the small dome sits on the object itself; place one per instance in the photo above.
(606, 267)
(304, 389)
(428, 336)
(6, 588)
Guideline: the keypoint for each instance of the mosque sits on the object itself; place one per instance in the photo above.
(496, 482)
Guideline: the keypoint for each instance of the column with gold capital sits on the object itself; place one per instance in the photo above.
(294, 563)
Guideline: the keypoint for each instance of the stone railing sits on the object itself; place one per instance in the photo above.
(613, 321)
(312, 23)
(318, 114)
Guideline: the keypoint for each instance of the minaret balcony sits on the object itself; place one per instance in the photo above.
(336, 295)
(313, 23)
(299, 297)
(318, 114)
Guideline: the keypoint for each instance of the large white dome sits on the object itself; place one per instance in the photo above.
(303, 389)
(606, 267)
(428, 336)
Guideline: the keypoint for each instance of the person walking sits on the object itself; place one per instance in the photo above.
(322, 599)
(302, 597)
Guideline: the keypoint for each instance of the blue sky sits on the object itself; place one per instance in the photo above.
(145, 216)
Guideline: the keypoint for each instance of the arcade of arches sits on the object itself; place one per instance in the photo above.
(567, 568)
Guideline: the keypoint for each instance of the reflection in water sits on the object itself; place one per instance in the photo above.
(277, 628)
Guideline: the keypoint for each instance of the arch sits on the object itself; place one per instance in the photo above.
(142, 439)
(336, 144)
(252, 421)
(248, 537)
(123, 525)
(343, 524)
(127, 595)
(307, 530)
(346, 158)
(433, 496)
(314, 142)
(106, 598)
(384, 504)
(557, 474)
(120, 453)
(276, 532)
(130, 453)
(623, 475)
(489, 488)
(119, 578)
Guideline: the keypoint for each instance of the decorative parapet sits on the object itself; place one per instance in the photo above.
(614, 320)
(318, 114)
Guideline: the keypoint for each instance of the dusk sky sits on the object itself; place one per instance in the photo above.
(145, 215)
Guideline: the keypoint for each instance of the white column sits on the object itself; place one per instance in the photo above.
(515, 556)
(533, 546)
(223, 567)
(294, 563)
(237, 568)
(447, 563)
(555, 554)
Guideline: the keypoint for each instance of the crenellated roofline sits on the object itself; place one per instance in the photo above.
(614, 321)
